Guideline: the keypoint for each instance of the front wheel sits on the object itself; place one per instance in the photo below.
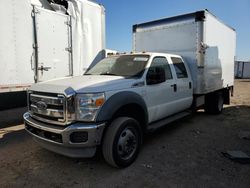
(122, 142)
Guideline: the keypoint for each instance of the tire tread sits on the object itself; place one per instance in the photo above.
(109, 138)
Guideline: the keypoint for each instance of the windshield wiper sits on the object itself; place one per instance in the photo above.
(108, 73)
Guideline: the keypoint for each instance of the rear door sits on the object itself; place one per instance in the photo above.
(52, 44)
(183, 86)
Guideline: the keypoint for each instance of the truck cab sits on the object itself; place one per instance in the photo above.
(111, 106)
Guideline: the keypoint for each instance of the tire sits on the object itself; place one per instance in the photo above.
(122, 142)
(214, 103)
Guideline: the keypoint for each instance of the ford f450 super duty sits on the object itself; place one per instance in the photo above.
(123, 96)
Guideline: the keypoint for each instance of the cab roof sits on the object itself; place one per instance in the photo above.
(148, 53)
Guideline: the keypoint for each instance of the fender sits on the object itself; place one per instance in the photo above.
(119, 100)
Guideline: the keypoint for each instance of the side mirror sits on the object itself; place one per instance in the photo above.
(156, 75)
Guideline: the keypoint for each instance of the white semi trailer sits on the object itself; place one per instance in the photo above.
(45, 39)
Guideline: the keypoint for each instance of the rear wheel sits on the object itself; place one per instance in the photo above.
(214, 103)
(122, 142)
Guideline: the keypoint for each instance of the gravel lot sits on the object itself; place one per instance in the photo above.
(186, 153)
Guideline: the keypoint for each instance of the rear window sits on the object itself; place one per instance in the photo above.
(180, 68)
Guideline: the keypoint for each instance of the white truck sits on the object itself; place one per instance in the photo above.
(47, 39)
(123, 96)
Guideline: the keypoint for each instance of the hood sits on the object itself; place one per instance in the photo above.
(84, 84)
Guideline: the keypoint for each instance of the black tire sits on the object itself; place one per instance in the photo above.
(214, 103)
(122, 142)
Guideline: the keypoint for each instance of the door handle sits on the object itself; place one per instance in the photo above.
(190, 85)
(42, 68)
(174, 86)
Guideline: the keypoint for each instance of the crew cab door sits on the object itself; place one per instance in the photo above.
(183, 84)
(160, 97)
(52, 44)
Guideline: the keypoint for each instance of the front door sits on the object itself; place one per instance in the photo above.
(160, 98)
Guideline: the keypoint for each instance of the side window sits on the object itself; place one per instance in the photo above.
(180, 68)
(162, 62)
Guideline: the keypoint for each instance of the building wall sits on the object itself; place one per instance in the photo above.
(242, 69)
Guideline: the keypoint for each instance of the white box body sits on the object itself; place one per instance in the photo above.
(204, 42)
(38, 43)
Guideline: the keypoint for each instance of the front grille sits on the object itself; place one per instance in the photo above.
(44, 134)
(48, 107)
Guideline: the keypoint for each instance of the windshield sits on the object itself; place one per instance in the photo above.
(124, 65)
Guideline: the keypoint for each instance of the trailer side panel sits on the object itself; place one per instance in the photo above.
(16, 38)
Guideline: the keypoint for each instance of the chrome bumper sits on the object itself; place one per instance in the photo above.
(57, 138)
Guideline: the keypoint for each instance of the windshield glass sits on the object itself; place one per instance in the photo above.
(124, 65)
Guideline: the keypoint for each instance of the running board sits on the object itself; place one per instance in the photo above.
(167, 120)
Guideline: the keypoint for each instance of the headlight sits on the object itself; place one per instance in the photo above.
(88, 106)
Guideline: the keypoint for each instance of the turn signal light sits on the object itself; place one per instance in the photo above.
(99, 102)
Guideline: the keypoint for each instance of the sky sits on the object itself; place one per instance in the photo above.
(122, 14)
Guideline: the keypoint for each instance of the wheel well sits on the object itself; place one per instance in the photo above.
(134, 111)
(226, 95)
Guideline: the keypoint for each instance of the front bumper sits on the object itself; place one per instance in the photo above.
(59, 139)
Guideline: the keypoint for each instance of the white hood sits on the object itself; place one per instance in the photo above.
(84, 84)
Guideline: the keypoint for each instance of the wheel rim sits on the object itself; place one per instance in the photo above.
(127, 144)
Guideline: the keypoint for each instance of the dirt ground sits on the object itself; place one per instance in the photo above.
(186, 153)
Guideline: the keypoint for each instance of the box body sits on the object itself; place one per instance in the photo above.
(39, 43)
(204, 42)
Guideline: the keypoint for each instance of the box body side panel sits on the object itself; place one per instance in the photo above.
(220, 42)
(88, 34)
(176, 38)
(16, 40)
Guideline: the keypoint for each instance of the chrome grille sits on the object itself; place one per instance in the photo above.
(50, 108)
